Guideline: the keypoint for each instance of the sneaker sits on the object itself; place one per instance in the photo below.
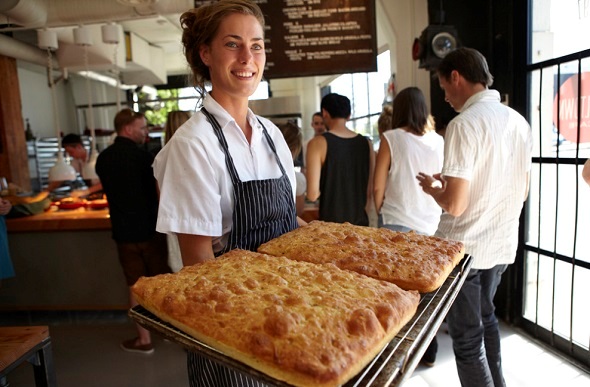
(132, 346)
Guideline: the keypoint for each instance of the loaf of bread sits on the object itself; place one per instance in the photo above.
(410, 260)
(305, 324)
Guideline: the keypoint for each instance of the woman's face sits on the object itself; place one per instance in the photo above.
(236, 57)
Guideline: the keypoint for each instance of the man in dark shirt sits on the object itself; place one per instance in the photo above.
(125, 171)
(340, 166)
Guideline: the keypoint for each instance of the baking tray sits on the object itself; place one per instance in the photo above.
(391, 367)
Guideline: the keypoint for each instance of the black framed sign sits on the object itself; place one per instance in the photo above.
(318, 37)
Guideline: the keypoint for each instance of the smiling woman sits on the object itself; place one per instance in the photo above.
(226, 177)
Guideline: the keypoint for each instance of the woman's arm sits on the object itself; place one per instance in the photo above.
(195, 248)
(382, 166)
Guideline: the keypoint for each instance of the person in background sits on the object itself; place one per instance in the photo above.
(340, 167)
(174, 121)
(319, 128)
(6, 268)
(293, 137)
(481, 189)
(410, 147)
(384, 121)
(586, 172)
(125, 171)
(72, 143)
(226, 177)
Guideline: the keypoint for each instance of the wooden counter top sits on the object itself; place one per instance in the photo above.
(62, 220)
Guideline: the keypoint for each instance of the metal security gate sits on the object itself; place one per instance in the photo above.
(556, 237)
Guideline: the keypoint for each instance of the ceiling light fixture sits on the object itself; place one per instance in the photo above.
(61, 171)
(110, 35)
(82, 37)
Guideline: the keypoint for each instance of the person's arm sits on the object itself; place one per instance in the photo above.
(316, 154)
(301, 222)
(371, 175)
(451, 193)
(586, 172)
(5, 206)
(195, 248)
(382, 166)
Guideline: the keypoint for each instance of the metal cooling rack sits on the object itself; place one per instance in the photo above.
(391, 367)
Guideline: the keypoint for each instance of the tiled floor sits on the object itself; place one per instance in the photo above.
(87, 354)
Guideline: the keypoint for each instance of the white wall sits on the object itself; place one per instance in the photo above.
(37, 103)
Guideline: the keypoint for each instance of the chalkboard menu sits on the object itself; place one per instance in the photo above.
(318, 37)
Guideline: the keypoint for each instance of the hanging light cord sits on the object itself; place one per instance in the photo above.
(116, 71)
(90, 110)
(53, 99)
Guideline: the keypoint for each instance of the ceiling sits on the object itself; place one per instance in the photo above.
(153, 25)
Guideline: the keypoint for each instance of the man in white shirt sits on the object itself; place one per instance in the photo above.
(482, 187)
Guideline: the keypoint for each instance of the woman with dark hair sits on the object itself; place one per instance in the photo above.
(411, 146)
(226, 177)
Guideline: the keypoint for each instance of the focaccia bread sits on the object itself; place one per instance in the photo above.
(411, 261)
(305, 324)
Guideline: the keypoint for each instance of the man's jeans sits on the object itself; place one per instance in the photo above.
(474, 329)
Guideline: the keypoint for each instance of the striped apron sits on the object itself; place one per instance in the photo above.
(263, 210)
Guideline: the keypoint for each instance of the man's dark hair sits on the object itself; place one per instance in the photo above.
(338, 106)
(71, 139)
(470, 63)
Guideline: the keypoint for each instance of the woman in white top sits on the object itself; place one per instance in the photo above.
(412, 146)
(226, 177)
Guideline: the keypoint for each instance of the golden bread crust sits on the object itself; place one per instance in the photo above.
(410, 260)
(305, 324)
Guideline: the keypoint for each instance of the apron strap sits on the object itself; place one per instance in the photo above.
(233, 173)
(228, 159)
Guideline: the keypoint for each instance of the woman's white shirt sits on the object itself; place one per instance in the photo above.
(405, 203)
(196, 192)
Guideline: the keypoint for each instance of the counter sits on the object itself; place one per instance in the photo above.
(64, 260)
(62, 220)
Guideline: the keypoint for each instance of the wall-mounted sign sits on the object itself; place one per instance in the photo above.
(318, 37)
(569, 98)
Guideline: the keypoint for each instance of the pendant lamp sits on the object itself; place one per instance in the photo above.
(110, 35)
(82, 37)
(61, 171)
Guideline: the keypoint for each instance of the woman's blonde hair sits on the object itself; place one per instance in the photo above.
(174, 120)
(200, 25)
(384, 121)
(293, 137)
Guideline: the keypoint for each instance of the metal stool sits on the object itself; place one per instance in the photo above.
(32, 344)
